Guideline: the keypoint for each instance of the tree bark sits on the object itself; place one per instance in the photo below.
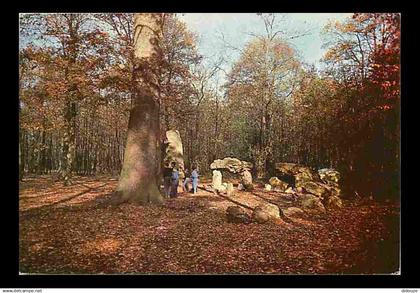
(139, 176)
(43, 156)
(69, 143)
(21, 155)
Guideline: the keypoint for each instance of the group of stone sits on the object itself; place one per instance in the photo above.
(313, 192)
(260, 214)
(236, 214)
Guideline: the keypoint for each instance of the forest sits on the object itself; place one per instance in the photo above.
(98, 94)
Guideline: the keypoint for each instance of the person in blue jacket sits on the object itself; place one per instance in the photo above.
(175, 180)
(194, 178)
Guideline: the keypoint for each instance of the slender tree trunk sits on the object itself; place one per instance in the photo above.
(139, 176)
(49, 154)
(70, 111)
(42, 162)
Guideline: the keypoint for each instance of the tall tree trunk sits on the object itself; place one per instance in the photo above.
(139, 176)
(69, 143)
(21, 154)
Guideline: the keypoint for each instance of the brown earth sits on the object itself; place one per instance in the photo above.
(67, 230)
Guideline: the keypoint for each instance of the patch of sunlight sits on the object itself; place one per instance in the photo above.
(100, 245)
(37, 247)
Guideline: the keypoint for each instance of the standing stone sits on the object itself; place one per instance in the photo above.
(217, 180)
(173, 151)
(222, 188)
(247, 180)
(229, 189)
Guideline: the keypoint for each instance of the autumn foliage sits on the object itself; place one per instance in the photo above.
(79, 78)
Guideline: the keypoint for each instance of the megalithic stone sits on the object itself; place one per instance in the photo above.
(233, 165)
(246, 180)
(174, 151)
(217, 180)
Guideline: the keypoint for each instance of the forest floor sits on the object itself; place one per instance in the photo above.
(66, 230)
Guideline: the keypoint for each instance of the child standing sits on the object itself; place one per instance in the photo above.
(167, 180)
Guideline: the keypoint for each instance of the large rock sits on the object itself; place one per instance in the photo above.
(331, 178)
(246, 180)
(333, 189)
(278, 184)
(266, 212)
(259, 216)
(301, 173)
(173, 150)
(311, 204)
(333, 203)
(305, 177)
(329, 175)
(293, 169)
(217, 179)
(290, 190)
(237, 214)
(315, 188)
(231, 164)
(292, 212)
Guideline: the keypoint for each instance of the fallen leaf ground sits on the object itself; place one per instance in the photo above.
(67, 230)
